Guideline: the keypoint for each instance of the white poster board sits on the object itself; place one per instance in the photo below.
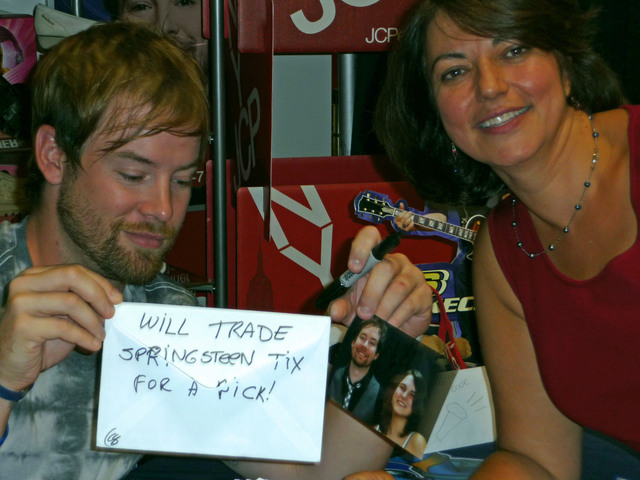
(464, 407)
(213, 381)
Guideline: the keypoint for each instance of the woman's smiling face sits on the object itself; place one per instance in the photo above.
(402, 400)
(498, 100)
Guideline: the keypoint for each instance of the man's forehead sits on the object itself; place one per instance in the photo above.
(371, 330)
(127, 115)
(141, 147)
(117, 133)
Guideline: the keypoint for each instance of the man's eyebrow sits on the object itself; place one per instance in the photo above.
(145, 161)
(195, 164)
(133, 156)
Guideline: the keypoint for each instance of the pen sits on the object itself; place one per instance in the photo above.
(341, 284)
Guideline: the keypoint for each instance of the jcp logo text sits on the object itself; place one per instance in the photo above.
(302, 23)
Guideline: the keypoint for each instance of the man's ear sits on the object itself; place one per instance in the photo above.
(48, 155)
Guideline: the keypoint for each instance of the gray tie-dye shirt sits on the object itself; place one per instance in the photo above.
(51, 429)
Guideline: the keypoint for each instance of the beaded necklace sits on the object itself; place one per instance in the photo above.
(576, 209)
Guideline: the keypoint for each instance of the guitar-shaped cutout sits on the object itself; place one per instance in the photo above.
(376, 207)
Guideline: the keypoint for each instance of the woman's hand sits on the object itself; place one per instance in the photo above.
(395, 289)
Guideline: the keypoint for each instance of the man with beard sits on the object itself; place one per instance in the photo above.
(354, 386)
(120, 126)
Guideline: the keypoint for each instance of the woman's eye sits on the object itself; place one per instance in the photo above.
(517, 51)
(452, 74)
(131, 178)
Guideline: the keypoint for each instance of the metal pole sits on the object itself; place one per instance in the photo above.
(217, 97)
(346, 98)
(76, 8)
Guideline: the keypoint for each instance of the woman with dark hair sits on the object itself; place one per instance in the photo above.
(507, 96)
(402, 409)
(408, 121)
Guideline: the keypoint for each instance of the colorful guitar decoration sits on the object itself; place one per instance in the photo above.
(376, 207)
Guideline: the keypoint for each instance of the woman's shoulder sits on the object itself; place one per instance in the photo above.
(415, 437)
(617, 126)
(617, 118)
(416, 442)
(628, 109)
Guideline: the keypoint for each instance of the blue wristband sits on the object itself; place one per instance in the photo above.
(12, 396)
(6, 434)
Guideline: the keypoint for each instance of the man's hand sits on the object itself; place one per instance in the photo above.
(49, 312)
(395, 289)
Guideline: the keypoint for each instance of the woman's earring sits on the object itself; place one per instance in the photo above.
(575, 103)
(454, 155)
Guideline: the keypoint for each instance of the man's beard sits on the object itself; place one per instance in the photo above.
(98, 240)
(198, 48)
(366, 362)
(201, 53)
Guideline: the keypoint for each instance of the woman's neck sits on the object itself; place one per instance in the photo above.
(551, 182)
(397, 426)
